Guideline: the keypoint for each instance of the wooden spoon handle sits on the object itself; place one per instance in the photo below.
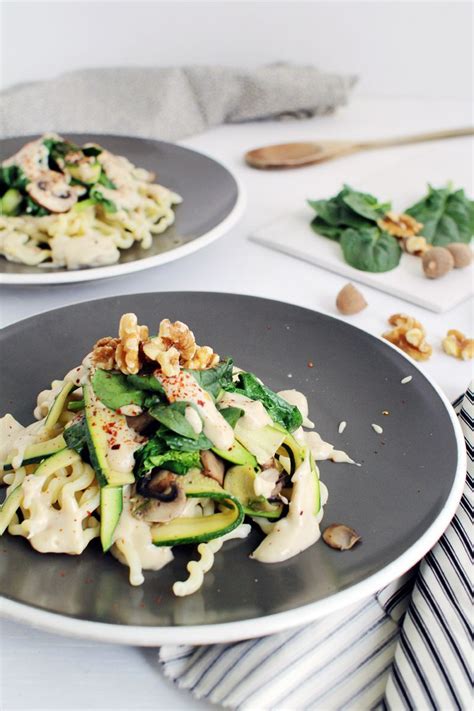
(417, 138)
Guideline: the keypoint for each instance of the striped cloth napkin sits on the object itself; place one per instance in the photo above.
(370, 655)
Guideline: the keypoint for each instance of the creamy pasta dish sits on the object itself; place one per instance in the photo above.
(154, 442)
(63, 205)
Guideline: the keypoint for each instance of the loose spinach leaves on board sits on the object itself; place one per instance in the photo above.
(447, 216)
(370, 249)
(279, 409)
(349, 208)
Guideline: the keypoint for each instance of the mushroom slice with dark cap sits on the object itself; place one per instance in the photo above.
(212, 466)
(163, 497)
(52, 191)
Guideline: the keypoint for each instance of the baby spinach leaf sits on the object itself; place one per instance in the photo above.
(364, 204)
(106, 182)
(155, 454)
(92, 151)
(322, 228)
(232, 415)
(447, 216)
(279, 410)
(76, 435)
(184, 444)
(99, 199)
(115, 391)
(13, 177)
(370, 250)
(146, 382)
(215, 379)
(172, 416)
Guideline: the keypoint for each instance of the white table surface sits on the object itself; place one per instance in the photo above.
(42, 671)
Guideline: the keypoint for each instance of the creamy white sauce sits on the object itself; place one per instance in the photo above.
(300, 528)
(193, 418)
(122, 442)
(130, 410)
(52, 530)
(134, 547)
(265, 481)
(255, 415)
(32, 158)
(10, 431)
(294, 397)
(28, 435)
(120, 171)
(80, 374)
(90, 250)
(320, 449)
(183, 387)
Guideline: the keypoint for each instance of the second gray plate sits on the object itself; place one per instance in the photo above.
(212, 204)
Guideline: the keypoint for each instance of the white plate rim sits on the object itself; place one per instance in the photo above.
(73, 276)
(269, 624)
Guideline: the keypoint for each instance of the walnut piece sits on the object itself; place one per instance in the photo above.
(203, 359)
(399, 225)
(103, 353)
(175, 346)
(169, 361)
(409, 335)
(416, 245)
(457, 345)
(180, 336)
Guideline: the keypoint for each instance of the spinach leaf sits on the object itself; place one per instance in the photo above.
(146, 382)
(99, 199)
(322, 228)
(447, 216)
(106, 182)
(76, 435)
(183, 444)
(279, 410)
(370, 250)
(154, 454)
(364, 204)
(114, 390)
(32, 208)
(172, 416)
(92, 151)
(232, 415)
(215, 379)
(13, 177)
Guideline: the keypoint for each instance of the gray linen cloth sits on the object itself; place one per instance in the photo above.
(168, 103)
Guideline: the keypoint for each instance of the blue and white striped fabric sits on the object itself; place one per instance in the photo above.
(366, 656)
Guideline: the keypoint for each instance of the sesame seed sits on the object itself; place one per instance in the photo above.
(406, 379)
(342, 426)
(377, 428)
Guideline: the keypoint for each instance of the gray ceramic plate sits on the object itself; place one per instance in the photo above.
(400, 500)
(212, 204)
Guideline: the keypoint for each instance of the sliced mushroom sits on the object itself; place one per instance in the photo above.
(340, 536)
(141, 423)
(52, 191)
(163, 497)
(212, 466)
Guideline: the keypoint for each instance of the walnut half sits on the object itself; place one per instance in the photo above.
(409, 335)
(457, 345)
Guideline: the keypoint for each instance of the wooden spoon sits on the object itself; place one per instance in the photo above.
(294, 155)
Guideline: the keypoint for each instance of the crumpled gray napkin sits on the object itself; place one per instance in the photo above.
(168, 103)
